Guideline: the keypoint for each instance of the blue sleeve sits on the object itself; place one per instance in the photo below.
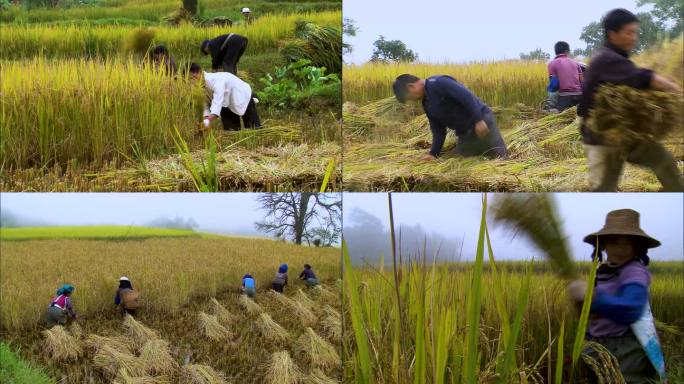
(439, 133)
(117, 299)
(623, 308)
(554, 84)
(457, 92)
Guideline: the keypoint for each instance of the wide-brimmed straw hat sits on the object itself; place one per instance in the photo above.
(623, 222)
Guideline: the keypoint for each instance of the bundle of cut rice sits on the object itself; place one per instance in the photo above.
(201, 374)
(212, 329)
(139, 333)
(625, 116)
(271, 330)
(316, 351)
(281, 369)
(60, 345)
(157, 358)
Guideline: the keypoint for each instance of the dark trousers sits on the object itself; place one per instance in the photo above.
(233, 52)
(492, 146)
(231, 120)
(635, 366)
(606, 163)
(565, 102)
(277, 287)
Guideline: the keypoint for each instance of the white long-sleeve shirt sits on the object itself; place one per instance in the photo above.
(227, 91)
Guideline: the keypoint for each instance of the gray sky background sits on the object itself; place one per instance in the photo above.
(456, 214)
(463, 31)
(233, 213)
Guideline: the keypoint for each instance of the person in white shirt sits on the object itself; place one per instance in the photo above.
(231, 98)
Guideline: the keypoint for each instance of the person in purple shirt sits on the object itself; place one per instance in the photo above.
(449, 104)
(61, 307)
(621, 292)
(569, 75)
(308, 276)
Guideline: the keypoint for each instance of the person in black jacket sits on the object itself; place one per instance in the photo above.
(449, 104)
(611, 65)
(225, 51)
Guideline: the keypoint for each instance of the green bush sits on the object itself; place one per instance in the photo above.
(289, 84)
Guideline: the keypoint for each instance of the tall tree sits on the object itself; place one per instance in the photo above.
(667, 12)
(349, 28)
(190, 6)
(392, 51)
(537, 54)
(301, 216)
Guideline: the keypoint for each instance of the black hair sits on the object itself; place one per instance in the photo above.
(160, 50)
(400, 86)
(194, 68)
(125, 284)
(307, 266)
(561, 47)
(616, 19)
(204, 45)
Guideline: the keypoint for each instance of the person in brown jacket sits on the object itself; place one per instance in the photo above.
(127, 298)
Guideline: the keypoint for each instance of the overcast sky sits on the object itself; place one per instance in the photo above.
(463, 31)
(458, 214)
(233, 213)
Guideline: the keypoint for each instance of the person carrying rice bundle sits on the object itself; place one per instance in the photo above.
(308, 276)
(611, 66)
(61, 308)
(621, 318)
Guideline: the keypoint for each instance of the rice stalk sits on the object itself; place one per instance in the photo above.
(323, 293)
(281, 369)
(111, 362)
(201, 374)
(271, 330)
(60, 345)
(212, 329)
(138, 333)
(319, 377)
(316, 351)
(301, 297)
(249, 305)
(296, 308)
(222, 314)
(603, 364)
(332, 324)
(536, 217)
(76, 330)
(157, 358)
(121, 344)
(124, 378)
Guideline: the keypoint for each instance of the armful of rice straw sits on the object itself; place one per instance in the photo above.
(536, 217)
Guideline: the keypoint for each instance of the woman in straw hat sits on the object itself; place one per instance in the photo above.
(621, 318)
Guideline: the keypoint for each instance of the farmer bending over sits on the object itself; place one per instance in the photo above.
(126, 297)
(308, 276)
(231, 98)
(61, 307)
(225, 51)
(611, 65)
(569, 75)
(249, 285)
(448, 104)
(621, 318)
(280, 280)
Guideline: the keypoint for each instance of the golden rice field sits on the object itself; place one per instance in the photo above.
(386, 139)
(181, 333)
(25, 41)
(502, 83)
(429, 321)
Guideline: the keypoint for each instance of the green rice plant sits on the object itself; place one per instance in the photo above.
(558, 377)
(25, 41)
(15, 370)
(328, 171)
(580, 332)
(203, 175)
